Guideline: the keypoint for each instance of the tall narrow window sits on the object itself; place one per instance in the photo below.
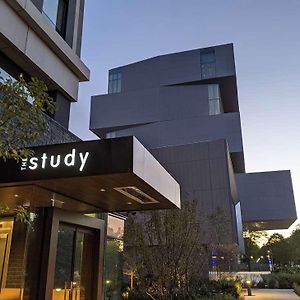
(214, 100)
(208, 64)
(56, 13)
(115, 83)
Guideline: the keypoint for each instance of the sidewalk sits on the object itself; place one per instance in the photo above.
(272, 294)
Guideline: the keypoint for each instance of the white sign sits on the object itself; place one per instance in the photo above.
(72, 159)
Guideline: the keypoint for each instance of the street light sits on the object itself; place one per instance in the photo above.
(248, 282)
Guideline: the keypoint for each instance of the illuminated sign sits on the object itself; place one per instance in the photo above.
(73, 159)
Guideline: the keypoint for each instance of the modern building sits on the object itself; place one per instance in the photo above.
(54, 205)
(184, 108)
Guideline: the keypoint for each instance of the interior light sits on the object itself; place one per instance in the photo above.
(58, 290)
(16, 195)
(129, 203)
(102, 190)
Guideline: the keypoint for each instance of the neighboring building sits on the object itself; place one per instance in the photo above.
(70, 186)
(184, 108)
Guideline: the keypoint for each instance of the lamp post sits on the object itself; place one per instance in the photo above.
(248, 282)
(270, 260)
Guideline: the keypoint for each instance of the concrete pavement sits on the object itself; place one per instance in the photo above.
(272, 294)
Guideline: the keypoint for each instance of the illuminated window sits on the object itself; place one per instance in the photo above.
(56, 13)
(115, 82)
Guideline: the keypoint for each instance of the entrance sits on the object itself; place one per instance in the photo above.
(73, 275)
(74, 260)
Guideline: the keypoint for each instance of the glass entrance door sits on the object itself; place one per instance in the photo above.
(73, 276)
(72, 257)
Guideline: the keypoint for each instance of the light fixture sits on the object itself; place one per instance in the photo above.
(102, 190)
(135, 194)
(58, 289)
(16, 195)
(129, 203)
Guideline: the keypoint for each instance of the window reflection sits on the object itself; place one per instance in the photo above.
(208, 64)
(214, 100)
(115, 82)
(56, 12)
(114, 258)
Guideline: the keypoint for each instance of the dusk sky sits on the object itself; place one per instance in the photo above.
(266, 38)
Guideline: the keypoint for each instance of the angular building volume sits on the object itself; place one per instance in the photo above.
(184, 108)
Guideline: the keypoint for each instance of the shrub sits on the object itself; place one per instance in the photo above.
(297, 289)
(279, 280)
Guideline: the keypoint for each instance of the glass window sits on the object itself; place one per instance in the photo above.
(56, 12)
(208, 57)
(5, 76)
(208, 64)
(214, 100)
(115, 83)
(114, 258)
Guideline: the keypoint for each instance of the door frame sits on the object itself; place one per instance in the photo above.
(55, 216)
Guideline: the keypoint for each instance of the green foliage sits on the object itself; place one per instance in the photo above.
(22, 122)
(165, 249)
(138, 295)
(20, 212)
(200, 290)
(294, 244)
(113, 269)
(297, 289)
(219, 226)
(279, 280)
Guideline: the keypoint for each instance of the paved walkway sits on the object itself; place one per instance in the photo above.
(266, 294)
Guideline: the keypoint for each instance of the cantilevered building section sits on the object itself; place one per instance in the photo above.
(184, 108)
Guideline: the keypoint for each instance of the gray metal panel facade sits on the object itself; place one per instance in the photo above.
(202, 171)
(267, 198)
(164, 102)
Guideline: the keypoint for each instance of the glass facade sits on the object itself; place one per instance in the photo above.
(56, 13)
(208, 64)
(215, 106)
(114, 258)
(115, 83)
(20, 255)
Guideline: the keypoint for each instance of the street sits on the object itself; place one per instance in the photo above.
(272, 294)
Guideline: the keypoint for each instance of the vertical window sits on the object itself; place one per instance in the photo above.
(214, 100)
(56, 13)
(208, 64)
(5, 76)
(115, 83)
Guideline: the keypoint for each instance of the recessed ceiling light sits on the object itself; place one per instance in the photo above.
(102, 190)
(129, 203)
(16, 195)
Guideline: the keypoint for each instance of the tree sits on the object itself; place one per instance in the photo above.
(252, 239)
(165, 250)
(220, 243)
(294, 245)
(278, 249)
(22, 119)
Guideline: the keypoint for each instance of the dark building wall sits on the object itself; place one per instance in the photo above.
(202, 171)
(267, 199)
(164, 101)
(175, 68)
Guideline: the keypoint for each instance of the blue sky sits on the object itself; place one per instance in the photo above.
(266, 37)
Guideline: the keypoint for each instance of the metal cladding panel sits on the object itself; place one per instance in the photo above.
(152, 172)
(267, 199)
(148, 106)
(187, 131)
(201, 169)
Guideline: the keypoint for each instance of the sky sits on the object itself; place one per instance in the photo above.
(266, 38)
